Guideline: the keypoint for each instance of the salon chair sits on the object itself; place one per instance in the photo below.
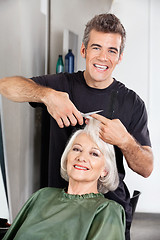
(4, 226)
(134, 200)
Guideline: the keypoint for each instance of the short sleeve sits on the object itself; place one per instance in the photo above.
(58, 82)
(139, 124)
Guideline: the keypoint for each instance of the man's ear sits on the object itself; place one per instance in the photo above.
(120, 57)
(83, 51)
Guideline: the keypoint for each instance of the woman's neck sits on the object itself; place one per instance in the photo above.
(81, 188)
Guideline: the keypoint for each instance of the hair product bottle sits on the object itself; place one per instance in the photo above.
(60, 65)
(69, 62)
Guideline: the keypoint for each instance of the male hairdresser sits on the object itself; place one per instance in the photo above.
(124, 117)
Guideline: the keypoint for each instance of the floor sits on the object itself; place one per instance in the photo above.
(145, 226)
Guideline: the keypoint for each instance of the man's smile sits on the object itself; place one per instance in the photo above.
(100, 67)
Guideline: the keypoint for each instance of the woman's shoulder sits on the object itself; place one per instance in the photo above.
(111, 209)
(49, 190)
(111, 205)
(46, 192)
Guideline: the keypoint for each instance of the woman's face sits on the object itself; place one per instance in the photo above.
(85, 161)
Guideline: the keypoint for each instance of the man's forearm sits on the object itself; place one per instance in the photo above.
(59, 106)
(139, 158)
(20, 89)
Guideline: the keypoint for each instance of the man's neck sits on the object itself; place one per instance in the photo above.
(98, 84)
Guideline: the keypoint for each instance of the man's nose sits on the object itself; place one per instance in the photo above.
(103, 55)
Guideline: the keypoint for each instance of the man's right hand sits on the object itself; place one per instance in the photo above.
(61, 108)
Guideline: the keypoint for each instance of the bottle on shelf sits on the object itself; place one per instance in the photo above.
(60, 65)
(69, 62)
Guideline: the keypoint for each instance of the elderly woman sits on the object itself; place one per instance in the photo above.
(81, 211)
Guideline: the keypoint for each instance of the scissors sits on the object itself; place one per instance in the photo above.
(87, 115)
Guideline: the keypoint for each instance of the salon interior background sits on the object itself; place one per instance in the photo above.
(24, 30)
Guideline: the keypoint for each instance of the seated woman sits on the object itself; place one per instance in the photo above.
(81, 211)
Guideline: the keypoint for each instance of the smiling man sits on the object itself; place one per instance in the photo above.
(124, 117)
(102, 55)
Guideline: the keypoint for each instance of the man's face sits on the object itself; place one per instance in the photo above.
(102, 55)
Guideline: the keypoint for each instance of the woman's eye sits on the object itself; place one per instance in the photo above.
(76, 149)
(95, 154)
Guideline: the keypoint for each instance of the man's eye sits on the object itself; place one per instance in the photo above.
(96, 48)
(111, 51)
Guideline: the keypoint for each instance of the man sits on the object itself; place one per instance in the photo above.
(124, 117)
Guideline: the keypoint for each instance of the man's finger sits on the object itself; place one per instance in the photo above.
(100, 118)
(66, 121)
(78, 116)
(60, 122)
(72, 119)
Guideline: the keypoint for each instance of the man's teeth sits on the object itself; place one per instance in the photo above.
(100, 66)
(82, 168)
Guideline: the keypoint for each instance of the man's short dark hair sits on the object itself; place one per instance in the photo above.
(107, 23)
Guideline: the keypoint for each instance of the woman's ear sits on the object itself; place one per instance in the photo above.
(104, 173)
(83, 51)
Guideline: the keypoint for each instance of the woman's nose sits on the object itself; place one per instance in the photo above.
(82, 157)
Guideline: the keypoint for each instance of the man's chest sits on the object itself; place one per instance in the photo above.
(113, 105)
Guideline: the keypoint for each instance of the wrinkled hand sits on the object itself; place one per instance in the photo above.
(112, 131)
(62, 109)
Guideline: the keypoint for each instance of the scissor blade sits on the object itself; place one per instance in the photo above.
(90, 113)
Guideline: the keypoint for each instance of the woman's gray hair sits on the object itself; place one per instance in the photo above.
(111, 180)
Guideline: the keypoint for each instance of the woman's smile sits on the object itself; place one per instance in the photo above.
(80, 167)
